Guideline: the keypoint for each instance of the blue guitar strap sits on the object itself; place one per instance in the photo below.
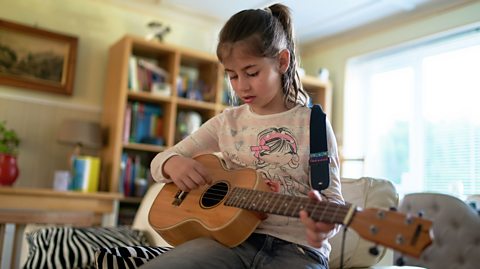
(319, 159)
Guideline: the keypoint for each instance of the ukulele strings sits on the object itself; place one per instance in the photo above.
(327, 209)
(221, 193)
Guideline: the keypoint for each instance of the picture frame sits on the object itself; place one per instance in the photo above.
(37, 59)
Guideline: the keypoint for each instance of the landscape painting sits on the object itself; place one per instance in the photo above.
(36, 59)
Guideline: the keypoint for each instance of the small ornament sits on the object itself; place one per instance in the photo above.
(158, 31)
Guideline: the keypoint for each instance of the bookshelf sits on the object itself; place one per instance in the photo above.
(169, 90)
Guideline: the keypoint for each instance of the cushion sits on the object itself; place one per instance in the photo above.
(126, 257)
(69, 247)
(364, 192)
(141, 222)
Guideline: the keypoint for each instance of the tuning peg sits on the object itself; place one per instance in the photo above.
(374, 251)
(392, 208)
(420, 214)
(400, 261)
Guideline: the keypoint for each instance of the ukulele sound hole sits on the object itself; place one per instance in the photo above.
(214, 195)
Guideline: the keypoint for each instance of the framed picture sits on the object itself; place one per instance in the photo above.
(37, 59)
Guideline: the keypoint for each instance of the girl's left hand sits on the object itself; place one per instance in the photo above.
(316, 231)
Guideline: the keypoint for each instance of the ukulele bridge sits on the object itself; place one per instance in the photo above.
(179, 197)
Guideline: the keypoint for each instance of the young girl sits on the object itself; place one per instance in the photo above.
(269, 133)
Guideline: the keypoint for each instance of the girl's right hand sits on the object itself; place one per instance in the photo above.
(186, 173)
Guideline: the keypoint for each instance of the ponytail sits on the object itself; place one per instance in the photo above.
(292, 85)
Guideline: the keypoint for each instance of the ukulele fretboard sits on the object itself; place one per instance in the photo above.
(285, 205)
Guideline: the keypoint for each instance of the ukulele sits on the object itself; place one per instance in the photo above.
(228, 209)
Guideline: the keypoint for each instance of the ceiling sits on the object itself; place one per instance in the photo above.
(314, 19)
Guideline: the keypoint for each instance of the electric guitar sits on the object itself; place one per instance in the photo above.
(228, 211)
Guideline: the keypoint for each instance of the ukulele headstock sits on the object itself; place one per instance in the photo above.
(406, 234)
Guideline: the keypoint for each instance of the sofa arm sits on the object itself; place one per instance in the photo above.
(140, 222)
(365, 192)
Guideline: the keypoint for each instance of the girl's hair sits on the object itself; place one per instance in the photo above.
(266, 32)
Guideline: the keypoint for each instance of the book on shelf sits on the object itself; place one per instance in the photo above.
(145, 75)
(127, 121)
(126, 214)
(132, 74)
(143, 123)
(85, 174)
(135, 176)
(190, 86)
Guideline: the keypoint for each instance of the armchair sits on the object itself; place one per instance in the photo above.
(456, 231)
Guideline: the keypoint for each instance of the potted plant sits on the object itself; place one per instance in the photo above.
(9, 142)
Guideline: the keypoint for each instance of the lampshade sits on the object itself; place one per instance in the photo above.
(87, 134)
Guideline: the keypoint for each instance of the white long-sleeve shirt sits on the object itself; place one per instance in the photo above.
(277, 146)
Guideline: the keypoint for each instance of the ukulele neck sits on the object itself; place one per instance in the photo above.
(285, 205)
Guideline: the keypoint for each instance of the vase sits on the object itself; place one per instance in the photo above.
(8, 169)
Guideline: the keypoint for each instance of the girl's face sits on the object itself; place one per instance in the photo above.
(257, 80)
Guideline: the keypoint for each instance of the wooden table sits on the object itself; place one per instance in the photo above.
(21, 206)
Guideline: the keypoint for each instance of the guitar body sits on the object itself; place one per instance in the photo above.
(179, 217)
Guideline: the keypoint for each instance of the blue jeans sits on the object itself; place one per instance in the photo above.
(258, 251)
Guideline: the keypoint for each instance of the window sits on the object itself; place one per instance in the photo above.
(412, 115)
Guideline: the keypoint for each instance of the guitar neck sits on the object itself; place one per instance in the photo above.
(285, 205)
